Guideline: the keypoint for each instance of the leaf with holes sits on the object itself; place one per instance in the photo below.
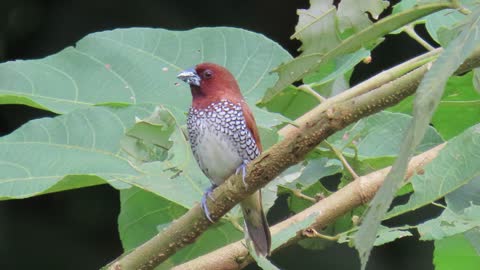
(319, 51)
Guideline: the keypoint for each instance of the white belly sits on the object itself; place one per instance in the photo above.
(216, 155)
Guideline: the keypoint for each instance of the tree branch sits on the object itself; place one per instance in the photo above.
(356, 193)
(313, 127)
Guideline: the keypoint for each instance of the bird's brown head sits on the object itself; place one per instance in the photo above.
(210, 83)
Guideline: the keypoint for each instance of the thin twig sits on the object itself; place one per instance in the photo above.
(439, 205)
(298, 193)
(410, 31)
(340, 156)
(312, 233)
(234, 221)
(308, 89)
(458, 6)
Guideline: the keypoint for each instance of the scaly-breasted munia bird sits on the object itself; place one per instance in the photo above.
(224, 137)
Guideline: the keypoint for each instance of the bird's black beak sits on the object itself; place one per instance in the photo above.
(189, 76)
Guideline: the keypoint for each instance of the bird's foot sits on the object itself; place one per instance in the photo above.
(243, 168)
(203, 203)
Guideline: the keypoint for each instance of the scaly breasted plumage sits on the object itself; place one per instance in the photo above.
(223, 136)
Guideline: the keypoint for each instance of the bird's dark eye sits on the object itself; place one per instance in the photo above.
(207, 74)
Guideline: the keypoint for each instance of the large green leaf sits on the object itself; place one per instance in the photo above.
(456, 165)
(139, 210)
(131, 141)
(450, 223)
(291, 102)
(476, 79)
(83, 148)
(473, 236)
(458, 201)
(126, 66)
(455, 252)
(85, 144)
(138, 65)
(464, 196)
(458, 109)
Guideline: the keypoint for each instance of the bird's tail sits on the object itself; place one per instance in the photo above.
(256, 223)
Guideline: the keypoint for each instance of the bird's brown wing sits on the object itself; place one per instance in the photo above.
(251, 124)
